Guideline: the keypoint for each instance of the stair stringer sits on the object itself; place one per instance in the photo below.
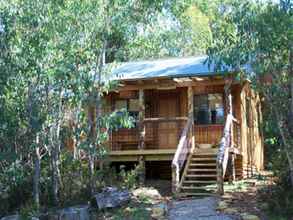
(186, 167)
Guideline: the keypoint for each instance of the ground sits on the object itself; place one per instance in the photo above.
(241, 201)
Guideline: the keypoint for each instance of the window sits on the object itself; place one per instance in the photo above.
(208, 109)
(131, 105)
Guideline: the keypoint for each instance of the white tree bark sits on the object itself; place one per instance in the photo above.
(37, 173)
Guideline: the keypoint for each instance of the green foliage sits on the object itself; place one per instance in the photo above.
(130, 178)
(259, 35)
(15, 186)
(28, 211)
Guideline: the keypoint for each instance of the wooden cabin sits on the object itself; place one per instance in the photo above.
(198, 126)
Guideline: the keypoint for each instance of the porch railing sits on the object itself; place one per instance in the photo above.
(230, 142)
(160, 133)
(183, 149)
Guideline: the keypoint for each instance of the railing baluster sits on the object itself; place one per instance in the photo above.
(223, 153)
(184, 147)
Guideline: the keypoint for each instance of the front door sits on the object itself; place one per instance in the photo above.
(167, 131)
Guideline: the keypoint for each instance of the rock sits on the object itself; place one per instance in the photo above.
(52, 216)
(82, 212)
(264, 206)
(68, 214)
(93, 216)
(111, 197)
(247, 216)
(159, 211)
(222, 205)
(231, 211)
(200, 209)
(147, 192)
(11, 217)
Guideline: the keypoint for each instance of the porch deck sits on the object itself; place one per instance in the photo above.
(148, 154)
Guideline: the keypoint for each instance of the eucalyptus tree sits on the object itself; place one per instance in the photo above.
(55, 53)
(260, 34)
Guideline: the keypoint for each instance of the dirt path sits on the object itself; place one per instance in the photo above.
(196, 209)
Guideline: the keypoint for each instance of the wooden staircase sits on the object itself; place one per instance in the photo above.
(199, 177)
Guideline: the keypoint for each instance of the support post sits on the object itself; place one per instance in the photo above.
(191, 113)
(175, 179)
(220, 179)
(141, 145)
(141, 116)
(141, 172)
(233, 156)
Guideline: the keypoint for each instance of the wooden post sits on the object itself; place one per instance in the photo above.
(175, 179)
(233, 156)
(220, 179)
(141, 172)
(141, 127)
(191, 113)
(141, 115)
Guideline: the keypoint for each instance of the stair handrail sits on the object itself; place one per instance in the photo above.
(183, 149)
(223, 152)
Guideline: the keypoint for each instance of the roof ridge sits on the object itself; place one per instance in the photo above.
(164, 58)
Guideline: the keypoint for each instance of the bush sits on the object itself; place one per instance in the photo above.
(130, 178)
(15, 186)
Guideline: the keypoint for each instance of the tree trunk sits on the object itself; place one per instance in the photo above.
(92, 173)
(37, 173)
(286, 141)
(55, 182)
(56, 147)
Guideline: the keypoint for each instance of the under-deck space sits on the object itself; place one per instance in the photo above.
(148, 155)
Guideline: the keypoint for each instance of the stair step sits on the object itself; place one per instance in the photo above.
(197, 187)
(202, 159)
(196, 194)
(200, 181)
(201, 175)
(204, 154)
(202, 171)
(203, 164)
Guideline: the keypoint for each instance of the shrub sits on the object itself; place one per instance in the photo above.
(130, 178)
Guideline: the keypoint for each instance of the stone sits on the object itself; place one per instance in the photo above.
(11, 217)
(247, 216)
(222, 205)
(68, 214)
(82, 212)
(111, 197)
(52, 216)
(231, 211)
(147, 192)
(159, 211)
(79, 212)
(199, 209)
(264, 206)
(93, 216)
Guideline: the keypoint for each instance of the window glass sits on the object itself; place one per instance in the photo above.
(133, 105)
(208, 109)
(120, 104)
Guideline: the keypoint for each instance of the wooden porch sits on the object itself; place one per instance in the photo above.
(202, 125)
(176, 125)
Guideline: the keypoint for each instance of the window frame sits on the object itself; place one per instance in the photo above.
(195, 113)
(127, 108)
